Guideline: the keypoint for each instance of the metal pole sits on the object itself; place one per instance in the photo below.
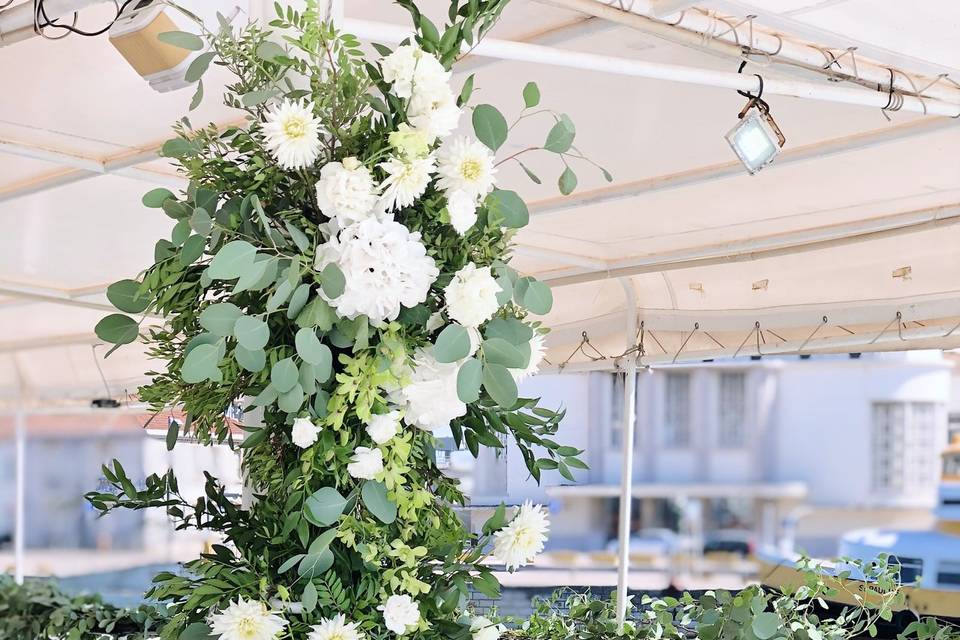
(626, 468)
(20, 425)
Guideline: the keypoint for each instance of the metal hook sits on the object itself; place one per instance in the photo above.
(696, 327)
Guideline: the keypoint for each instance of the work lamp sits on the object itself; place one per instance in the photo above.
(756, 139)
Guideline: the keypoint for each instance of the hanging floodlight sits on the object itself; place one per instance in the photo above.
(756, 139)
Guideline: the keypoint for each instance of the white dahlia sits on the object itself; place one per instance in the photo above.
(465, 164)
(401, 614)
(430, 400)
(336, 628)
(518, 543)
(366, 463)
(471, 296)
(384, 426)
(407, 179)
(483, 628)
(304, 433)
(538, 350)
(247, 620)
(434, 111)
(462, 208)
(292, 134)
(410, 69)
(346, 191)
(385, 268)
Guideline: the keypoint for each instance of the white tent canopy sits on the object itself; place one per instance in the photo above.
(846, 243)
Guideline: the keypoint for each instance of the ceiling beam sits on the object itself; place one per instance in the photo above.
(50, 295)
(751, 249)
(699, 175)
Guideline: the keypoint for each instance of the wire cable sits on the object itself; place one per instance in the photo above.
(40, 13)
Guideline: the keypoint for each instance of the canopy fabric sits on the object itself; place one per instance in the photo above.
(846, 243)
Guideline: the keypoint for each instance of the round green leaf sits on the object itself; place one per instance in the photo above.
(117, 329)
(312, 350)
(270, 51)
(284, 375)
(291, 401)
(469, 379)
(374, 495)
(182, 39)
(324, 507)
(253, 360)
(490, 126)
(298, 300)
(567, 182)
(155, 198)
(452, 344)
(232, 259)
(510, 329)
(201, 222)
(315, 564)
(199, 66)
(499, 351)
(500, 384)
(531, 95)
(332, 281)
(251, 333)
(561, 135)
(123, 295)
(201, 364)
(508, 208)
(220, 318)
(765, 625)
(537, 297)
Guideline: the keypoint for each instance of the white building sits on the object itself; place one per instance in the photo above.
(804, 447)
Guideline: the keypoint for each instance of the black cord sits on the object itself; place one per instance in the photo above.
(40, 11)
(747, 94)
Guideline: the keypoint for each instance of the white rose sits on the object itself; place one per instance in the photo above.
(400, 613)
(366, 463)
(346, 191)
(471, 296)
(484, 629)
(410, 69)
(462, 208)
(434, 111)
(429, 399)
(383, 427)
(304, 433)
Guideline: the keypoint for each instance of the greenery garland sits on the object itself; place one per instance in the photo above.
(340, 263)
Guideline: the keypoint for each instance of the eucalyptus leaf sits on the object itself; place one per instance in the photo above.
(452, 344)
(469, 379)
(182, 40)
(508, 207)
(251, 333)
(315, 564)
(292, 401)
(531, 95)
(154, 199)
(490, 126)
(499, 351)
(117, 328)
(220, 318)
(284, 375)
(374, 495)
(561, 135)
(231, 259)
(199, 66)
(124, 295)
(311, 349)
(567, 183)
(501, 386)
(332, 281)
(202, 364)
(324, 507)
(253, 360)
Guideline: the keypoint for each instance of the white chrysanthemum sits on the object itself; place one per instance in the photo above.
(518, 543)
(471, 296)
(292, 134)
(464, 164)
(384, 426)
(336, 628)
(483, 628)
(411, 69)
(407, 179)
(434, 111)
(385, 267)
(401, 614)
(366, 463)
(538, 350)
(346, 191)
(304, 433)
(247, 620)
(462, 208)
(430, 399)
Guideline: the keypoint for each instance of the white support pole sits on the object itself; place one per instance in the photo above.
(19, 530)
(626, 468)
(538, 54)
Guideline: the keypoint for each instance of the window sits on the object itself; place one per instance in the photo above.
(948, 572)
(904, 448)
(732, 423)
(676, 418)
(911, 569)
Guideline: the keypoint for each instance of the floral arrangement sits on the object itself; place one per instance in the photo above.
(339, 264)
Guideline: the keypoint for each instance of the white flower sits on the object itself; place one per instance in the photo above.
(382, 427)
(304, 433)
(336, 628)
(471, 296)
(538, 350)
(385, 268)
(429, 398)
(484, 629)
(346, 191)
(518, 543)
(292, 134)
(434, 111)
(247, 620)
(462, 208)
(401, 614)
(406, 180)
(465, 164)
(409, 69)
(366, 463)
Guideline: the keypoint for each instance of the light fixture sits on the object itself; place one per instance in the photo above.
(756, 139)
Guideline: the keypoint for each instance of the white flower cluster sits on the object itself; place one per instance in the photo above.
(518, 543)
(247, 620)
(429, 396)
